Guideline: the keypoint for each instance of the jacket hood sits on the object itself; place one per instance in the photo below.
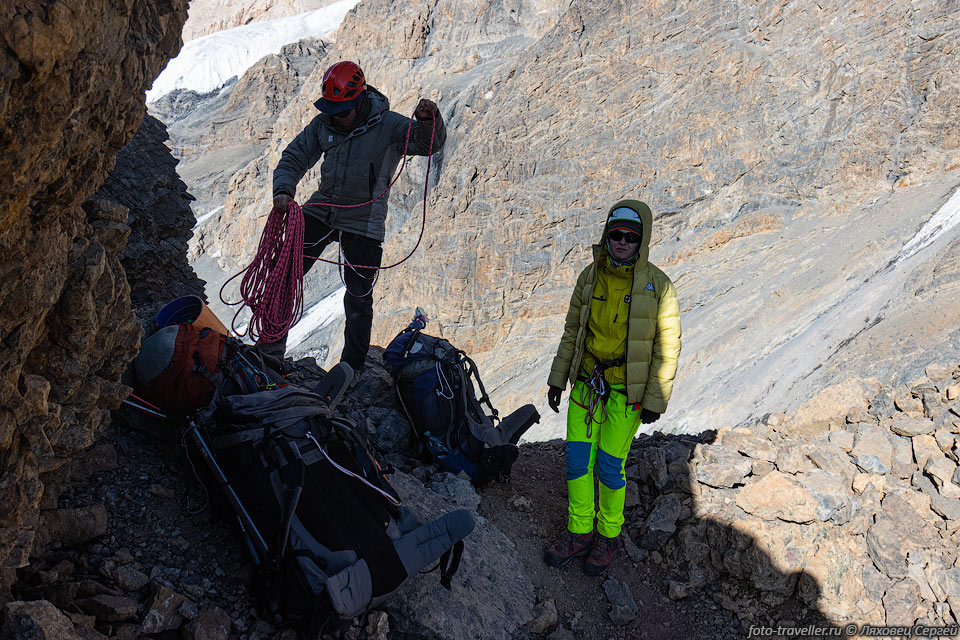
(643, 254)
(377, 105)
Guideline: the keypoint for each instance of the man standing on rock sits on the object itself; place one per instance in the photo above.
(619, 350)
(361, 142)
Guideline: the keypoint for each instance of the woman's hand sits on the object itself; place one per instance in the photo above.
(553, 398)
(647, 416)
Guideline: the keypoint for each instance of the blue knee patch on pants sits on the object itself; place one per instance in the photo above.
(578, 459)
(610, 470)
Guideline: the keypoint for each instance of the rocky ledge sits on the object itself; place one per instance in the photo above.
(852, 505)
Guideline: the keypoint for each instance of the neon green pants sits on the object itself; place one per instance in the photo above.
(603, 445)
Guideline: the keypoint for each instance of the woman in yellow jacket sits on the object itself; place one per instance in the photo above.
(619, 350)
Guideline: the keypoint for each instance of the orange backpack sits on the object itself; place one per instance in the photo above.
(176, 365)
(180, 367)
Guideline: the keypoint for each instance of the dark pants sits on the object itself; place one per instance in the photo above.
(358, 299)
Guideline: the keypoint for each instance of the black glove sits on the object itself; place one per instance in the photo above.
(647, 416)
(553, 398)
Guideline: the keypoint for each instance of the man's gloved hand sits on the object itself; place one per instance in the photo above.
(553, 398)
(647, 416)
(281, 201)
(426, 110)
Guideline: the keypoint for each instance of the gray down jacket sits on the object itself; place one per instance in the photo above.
(357, 165)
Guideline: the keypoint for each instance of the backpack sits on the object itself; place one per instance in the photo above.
(320, 518)
(435, 386)
(180, 366)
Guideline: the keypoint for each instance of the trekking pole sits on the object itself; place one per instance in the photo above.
(255, 542)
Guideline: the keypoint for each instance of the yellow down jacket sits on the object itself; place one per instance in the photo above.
(653, 326)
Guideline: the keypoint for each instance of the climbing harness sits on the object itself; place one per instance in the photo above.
(597, 391)
(272, 284)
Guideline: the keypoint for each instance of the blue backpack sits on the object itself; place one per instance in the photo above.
(435, 385)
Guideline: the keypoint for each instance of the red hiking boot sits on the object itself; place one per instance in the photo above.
(568, 547)
(600, 556)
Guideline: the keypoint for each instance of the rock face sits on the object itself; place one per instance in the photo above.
(144, 181)
(795, 200)
(72, 79)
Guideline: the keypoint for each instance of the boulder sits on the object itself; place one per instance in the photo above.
(881, 406)
(163, 610)
(623, 608)
(942, 470)
(832, 493)
(73, 526)
(834, 459)
(108, 608)
(925, 447)
(547, 618)
(910, 427)
(490, 595)
(831, 404)
(36, 620)
(212, 623)
(948, 508)
(842, 439)
(661, 523)
(779, 496)
(389, 430)
(131, 579)
(903, 463)
(872, 450)
(768, 554)
(791, 458)
(902, 604)
(897, 530)
(456, 488)
(722, 467)
(749, 444)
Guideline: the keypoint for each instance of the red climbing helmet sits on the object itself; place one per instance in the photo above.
(343, 85)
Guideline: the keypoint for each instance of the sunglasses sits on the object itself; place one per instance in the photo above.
(626, 236)
(344, 114)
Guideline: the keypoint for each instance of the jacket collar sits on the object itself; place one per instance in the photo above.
(377, 105)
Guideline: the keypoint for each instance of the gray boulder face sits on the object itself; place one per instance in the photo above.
(490, 596)
(144, 180)
(623, 608)
(897, 530)
(71, 95)
(661, 523)
(881, 406)
(832, 493)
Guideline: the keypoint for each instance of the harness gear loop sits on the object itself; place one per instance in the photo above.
(597, 391)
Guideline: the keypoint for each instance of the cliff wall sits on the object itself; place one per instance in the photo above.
(72, 81)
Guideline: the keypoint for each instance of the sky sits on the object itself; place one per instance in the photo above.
(207, 63)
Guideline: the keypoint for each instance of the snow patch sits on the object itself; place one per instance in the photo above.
(205, 64)
(942, 221)
(317, 317)
(207, 216)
